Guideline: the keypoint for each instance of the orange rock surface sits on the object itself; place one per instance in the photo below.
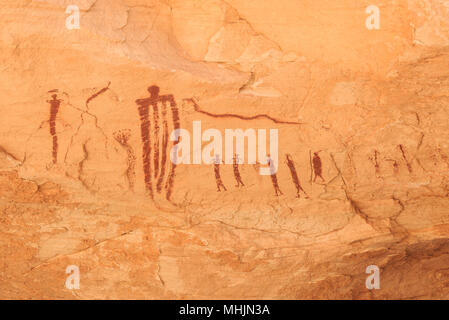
(86, 177)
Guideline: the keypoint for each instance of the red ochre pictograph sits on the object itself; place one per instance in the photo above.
(217, 174)
(294, 174)
(159, 115)
(122, 137)
(274, 178)
(54, 108)
(153, 147)
(237, 175)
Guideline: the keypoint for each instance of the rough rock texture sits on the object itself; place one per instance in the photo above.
(76, 189)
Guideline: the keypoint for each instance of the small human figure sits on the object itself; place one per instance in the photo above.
(396, 167)
(54, 108)
(144, 104)
(274, 178)
(294, 175)
(317, 166)
(237, 176)
(217, 174)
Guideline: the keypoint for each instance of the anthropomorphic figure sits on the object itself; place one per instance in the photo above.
(217, 174)
(123, 137)
(237, 175)
(294, 174)
(274, 178)
(317, 167)
(54, 108)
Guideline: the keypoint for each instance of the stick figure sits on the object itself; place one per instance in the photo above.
(217, 174)
(237, 176)
(294, 175)
(274, 178)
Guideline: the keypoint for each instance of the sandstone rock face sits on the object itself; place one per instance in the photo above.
(94, 175)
